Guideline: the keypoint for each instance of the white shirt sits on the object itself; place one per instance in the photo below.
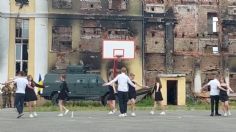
(214, 87)
(21, 84)
(123, 81)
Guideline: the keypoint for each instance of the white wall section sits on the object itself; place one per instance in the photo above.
(4, 40)
(41, 40)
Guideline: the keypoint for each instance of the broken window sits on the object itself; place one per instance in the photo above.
(21, 44)
(212, 21)
(187, 1)
(118, 34)
(118, 4)
(232, 10)
(210, 2)
(62, 4)
(22, 2)
(91, 32)
(211, 49)
(154, 8)
(90, 4)
(155, 1)
(61, 38)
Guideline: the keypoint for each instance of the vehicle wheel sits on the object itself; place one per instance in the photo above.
(54, 99)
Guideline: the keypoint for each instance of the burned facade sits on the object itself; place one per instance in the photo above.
(196, 38)
(203, 35)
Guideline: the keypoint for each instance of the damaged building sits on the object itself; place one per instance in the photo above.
(184, 41)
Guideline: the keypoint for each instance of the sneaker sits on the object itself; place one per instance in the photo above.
(66, 112)
(229, 113)
(31, 116)
(133, 114)
(211, 114)
(225, 114)
(20, 115)
(163, 113)
(60, 115)
(121, 115)
(125, 114)
(35, 114)
(111, 113)
(217, 114)
(152, 112)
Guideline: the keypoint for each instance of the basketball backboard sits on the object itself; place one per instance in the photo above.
(118, 48)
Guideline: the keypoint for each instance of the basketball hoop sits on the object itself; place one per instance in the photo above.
(117, 50)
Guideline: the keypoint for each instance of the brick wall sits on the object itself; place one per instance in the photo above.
(154, 62)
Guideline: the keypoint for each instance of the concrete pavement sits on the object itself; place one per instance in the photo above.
(99, 121)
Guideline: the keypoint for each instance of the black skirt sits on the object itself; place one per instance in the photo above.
(63, 96)
(111, 95)
(132, 93)
(158, 96)
(30, 95)
(224, 98)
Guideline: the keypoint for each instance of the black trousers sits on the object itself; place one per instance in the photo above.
(123, 99)
(215, 104)
(19, 102)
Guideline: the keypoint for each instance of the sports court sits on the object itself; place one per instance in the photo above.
(99, 121)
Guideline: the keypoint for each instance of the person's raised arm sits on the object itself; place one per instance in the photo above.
(38, 85)
(10, 81)
(130, 82)
(141, 85)
(220, 87)
(112, 81)
(204, 86)
(29, 85)
(230, 89)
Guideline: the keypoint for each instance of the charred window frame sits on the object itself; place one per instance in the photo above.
(90, 4)
(61, 38)
(118, 34)
(91, 32)
(118, 4)
(211, 49)
(62, 4)
(22, 2)
(210, 2)
(212, 23)
(21, 44)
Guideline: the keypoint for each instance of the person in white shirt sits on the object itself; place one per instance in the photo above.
(214, 95)
(123, 81)
(21, 83)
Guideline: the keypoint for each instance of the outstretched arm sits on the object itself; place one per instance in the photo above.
(230, 89)
(219, 86)
(141, 85)
(38, 85)
(131, 83)
(10, 81)
(112, 81)
(204, 87)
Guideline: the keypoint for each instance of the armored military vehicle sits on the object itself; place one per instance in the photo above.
(82, 85)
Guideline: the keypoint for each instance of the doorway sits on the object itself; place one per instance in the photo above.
(172, 92)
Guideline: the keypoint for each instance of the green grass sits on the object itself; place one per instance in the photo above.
(73, 106)
(145, 104)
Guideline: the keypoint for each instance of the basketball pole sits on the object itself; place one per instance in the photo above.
(115, 61)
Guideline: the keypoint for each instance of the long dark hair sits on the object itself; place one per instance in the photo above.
(158, 80)
(222, 78)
